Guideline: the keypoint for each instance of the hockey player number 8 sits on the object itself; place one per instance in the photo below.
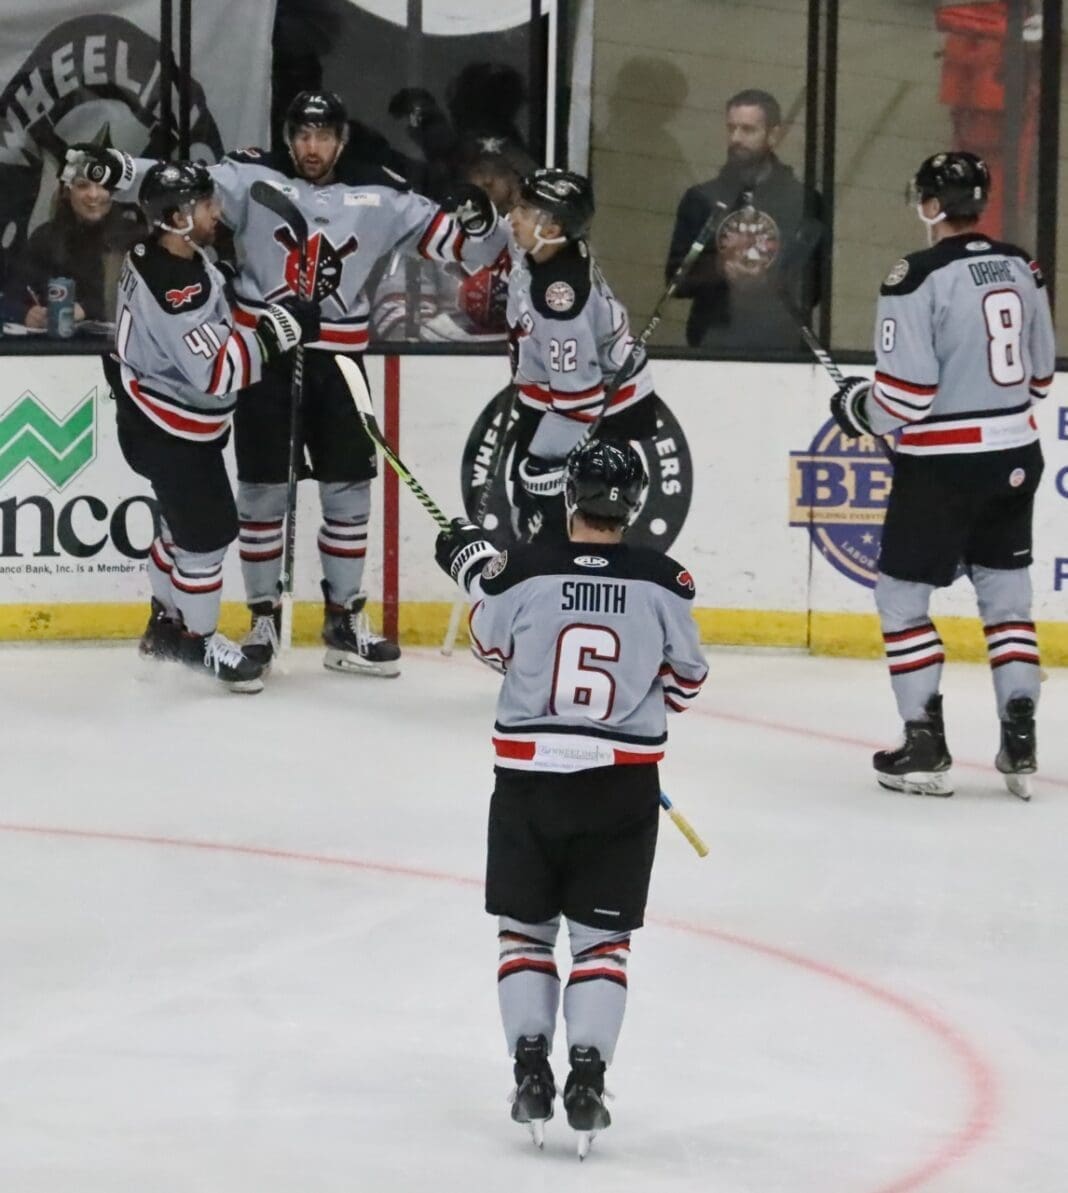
(579, 688)
(1003, 312)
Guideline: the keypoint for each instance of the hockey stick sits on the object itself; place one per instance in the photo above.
(362, 400)
(272, 198)
(624, 372)
(683, 825)
(505, 401)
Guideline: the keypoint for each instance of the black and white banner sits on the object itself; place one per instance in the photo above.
(88, 70)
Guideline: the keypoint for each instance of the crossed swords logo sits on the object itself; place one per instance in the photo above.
(324, 264)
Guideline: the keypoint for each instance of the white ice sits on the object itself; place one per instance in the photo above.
(244, 949)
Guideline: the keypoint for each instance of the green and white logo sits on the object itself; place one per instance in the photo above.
(58, 448)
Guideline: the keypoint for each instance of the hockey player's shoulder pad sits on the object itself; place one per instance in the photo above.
(268, 159)
(525, 561)
(178, 284)
(1003, 248)
(646, 563)
(560, 287)
(909, 273)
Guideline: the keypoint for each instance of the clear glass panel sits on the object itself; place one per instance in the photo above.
(663, 73)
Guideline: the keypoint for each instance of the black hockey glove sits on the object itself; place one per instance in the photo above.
(847, 406)
(108, 167)
(473, 209)
(462, 551)
(283, 325)
(542, 478)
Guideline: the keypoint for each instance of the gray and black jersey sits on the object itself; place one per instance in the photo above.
(569, 336)
(351, 227)
(597, 642)
(964, 344)
(182, 357)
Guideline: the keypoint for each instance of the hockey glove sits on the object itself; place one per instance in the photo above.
(473, 210)
(847, 407)
(283, 325)
(542, 478)
(107, 167)
(462, 551)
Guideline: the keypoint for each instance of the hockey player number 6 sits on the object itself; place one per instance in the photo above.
(1003, 312)
(580, 689)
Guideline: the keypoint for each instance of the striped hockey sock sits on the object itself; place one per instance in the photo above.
(261, 558)
(196, 584)
(528, 984)
(915, 657)
(342, 552)
(160, 569)
(596, 994)
(1012, 648)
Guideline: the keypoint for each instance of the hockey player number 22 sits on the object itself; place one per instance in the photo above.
(581, 689)
(1003, 312)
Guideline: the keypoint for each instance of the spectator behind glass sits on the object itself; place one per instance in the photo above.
(85, 239)
(766, 241)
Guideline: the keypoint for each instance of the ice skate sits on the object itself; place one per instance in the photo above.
(351, 644)
(920, 765)
(260, 644)
(1017, 759)
(584, 1097)
(160, 640)
(535, 1086)
(218, 656)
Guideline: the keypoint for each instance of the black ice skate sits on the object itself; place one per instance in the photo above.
(351, 644)
(535, 1086)
(1017, 757)
(162, 635)
(260, 644)
(584, 1097)
(218, 656)
(920, 765)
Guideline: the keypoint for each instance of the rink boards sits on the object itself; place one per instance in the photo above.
(781, 534)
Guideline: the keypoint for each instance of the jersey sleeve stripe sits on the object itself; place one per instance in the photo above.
(912, 387)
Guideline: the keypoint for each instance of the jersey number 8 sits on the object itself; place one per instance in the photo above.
(580, 689)
(1003, 312)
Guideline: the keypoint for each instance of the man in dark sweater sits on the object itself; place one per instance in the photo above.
(766, 246)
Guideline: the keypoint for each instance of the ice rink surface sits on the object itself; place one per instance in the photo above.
(244, 950)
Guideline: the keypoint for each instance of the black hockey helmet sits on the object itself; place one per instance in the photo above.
(564, 196)
(321, 109)
(959, 181)
(173, 186)
(606, 480)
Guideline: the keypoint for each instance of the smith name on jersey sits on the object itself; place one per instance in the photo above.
(569, 336)
(975, 310)
(182, 358)
(352, 225)
(586, 682)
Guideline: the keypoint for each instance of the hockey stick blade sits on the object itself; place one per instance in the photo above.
(271, 197)
(361, 398)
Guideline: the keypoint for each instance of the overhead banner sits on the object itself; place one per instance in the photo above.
(82, 70)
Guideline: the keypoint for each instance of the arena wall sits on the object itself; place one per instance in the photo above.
(780, 536)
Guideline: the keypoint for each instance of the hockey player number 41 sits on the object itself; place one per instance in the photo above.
(580, 688)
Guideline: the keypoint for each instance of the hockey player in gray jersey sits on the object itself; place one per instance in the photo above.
(358, 214)
(180, 362)
(964, 346)
(569, 337)
(597, 643)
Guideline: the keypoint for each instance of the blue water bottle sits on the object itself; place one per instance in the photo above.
(61, 307)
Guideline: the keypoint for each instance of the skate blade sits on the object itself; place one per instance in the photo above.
(585, 1141)
(245, 687)
(352, 664)
(537, 1131)
(1018, 785)
(917, 783)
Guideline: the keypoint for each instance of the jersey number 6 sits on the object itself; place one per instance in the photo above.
(579, 688)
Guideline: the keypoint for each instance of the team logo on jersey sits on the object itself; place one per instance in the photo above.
(1017, 477)
(978, 246)
(495, 566)
(685, 580)
(325, 262)
(666, 457)
(86, 78)
(361, 199)
(897, 273)
(560, 297)
(591, 561)
(838, 492)
(178, 298)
